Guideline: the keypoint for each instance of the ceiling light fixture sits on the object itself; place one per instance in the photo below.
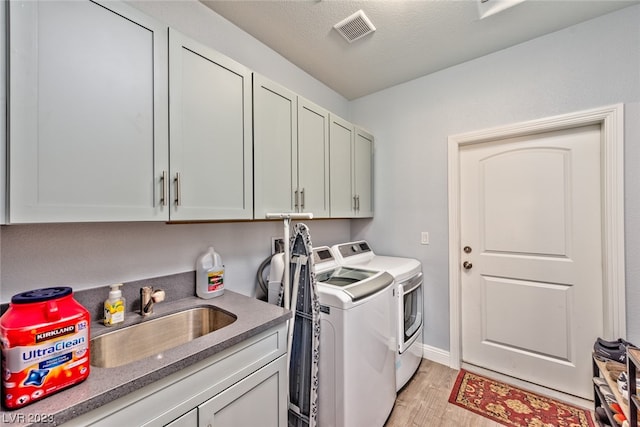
(355, 26)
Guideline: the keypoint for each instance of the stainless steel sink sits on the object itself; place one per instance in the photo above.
(154, 336)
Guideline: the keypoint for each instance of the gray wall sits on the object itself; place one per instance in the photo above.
(589, 65)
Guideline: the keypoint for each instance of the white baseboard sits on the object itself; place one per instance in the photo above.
(437, 355)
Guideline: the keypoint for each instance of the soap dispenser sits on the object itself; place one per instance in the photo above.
(114, 306)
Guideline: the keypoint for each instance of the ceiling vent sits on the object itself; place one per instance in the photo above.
(488, 8)
(355, 26)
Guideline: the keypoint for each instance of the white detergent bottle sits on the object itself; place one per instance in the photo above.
(209, 275)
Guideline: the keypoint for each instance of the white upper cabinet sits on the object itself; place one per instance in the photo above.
(291, 146)
(87, 112)
(112, 116)
(351, 181)
(341, 137)
(275, 111)
(363, 173)
(313, 159)
(210, 134)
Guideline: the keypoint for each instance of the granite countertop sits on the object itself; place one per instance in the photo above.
(107, 384)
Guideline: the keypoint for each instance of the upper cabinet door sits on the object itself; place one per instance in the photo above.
(363, 173)
(3, 117)
(275, 147)
(210, 142)
(341, 138)
(313, 159)
(88, 112)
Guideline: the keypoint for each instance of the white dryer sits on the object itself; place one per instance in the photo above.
(356, 378)
(407, 273)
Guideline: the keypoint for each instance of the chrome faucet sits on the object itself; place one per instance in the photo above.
(148, 297)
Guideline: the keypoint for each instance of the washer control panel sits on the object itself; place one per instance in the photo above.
(355, 248)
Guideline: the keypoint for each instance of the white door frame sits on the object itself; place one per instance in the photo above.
(612, 158)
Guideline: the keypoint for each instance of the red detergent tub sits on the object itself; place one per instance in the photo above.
(45, 345)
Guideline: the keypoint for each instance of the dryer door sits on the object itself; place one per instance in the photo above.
(410, 311)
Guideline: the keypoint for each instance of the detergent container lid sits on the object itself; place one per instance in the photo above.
(41, 295)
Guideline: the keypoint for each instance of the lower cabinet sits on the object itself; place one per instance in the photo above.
(254, 401)
(244, 385)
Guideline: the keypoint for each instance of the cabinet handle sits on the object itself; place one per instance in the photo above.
(358, 203)
(177, 181)
(295, 204)
(163, 192)
(302, 200)
(355, 203)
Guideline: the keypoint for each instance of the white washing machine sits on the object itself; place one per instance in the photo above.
(407, 273)
(356, 383)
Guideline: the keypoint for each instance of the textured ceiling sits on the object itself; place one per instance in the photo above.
(412, 38)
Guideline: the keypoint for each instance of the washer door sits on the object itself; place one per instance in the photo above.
(410, 311)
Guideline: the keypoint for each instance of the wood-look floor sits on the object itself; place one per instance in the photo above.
(424, 401)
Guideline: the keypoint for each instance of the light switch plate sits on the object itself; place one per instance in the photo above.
(424, 238)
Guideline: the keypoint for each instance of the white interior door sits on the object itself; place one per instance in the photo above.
(532, 288)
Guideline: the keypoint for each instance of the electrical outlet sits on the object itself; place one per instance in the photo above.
(424, 238)
(277, 245)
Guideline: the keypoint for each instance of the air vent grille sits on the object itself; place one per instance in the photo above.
(355, 26)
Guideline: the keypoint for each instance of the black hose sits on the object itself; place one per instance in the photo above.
(261, 281)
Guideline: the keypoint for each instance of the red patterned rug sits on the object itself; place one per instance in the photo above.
(511, 406)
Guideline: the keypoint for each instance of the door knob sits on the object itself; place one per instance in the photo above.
(467, 265)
